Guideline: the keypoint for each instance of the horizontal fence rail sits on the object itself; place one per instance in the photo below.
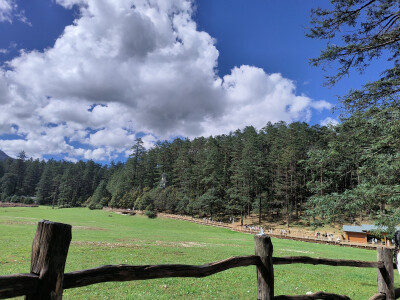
(314, 296)
(18, 285)
(50, 246)
(127, 272)
(24, 283)
(326, 261)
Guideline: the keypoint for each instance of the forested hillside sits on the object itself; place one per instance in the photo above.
(335, 173)
(60, 183)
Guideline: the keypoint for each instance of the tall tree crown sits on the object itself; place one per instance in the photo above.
(366, 30)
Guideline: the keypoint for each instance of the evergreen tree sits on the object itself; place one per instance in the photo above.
(18, 168)
(32, 177)
(100, 197)
(212, 180)
(8, 185)
(135, 162)
(67, 188)
(237, 192)
(368, 30)
(45, 186)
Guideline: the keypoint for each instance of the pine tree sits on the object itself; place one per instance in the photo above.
(367, 30)
(32, 177)
(237, 193)
(135, 163)
(45, 188)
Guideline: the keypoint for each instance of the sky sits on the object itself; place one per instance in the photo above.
(82, 79)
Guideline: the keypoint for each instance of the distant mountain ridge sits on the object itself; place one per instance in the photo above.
(4, 156)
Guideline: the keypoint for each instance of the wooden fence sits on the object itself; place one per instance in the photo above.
(276, 233)
(47, 279)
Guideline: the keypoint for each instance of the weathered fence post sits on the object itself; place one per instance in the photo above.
(49, 253)
(265, 271)
(385, 275)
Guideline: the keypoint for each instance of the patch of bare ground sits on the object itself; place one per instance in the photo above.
(297, 251)
(89, 228)
(122, 211)
(276, 227)
(298, 229)
(106, 244)
(130, 240)
(167, 244)
(8, 204)
(18, 223)
(12, 220)
(181, 244)
(141, 244)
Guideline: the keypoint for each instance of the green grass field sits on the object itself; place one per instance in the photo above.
(101, 238)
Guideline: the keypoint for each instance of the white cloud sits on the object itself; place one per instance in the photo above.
(37, 144)
(329, 122)
(321, 105)
(71, 159)
(12, 46)
(149, 141)
(96, 154)
(6, 9)
(255, 97)
(20, 15)
(9, 10)
(128, 67)
(114, 138)
(70, 3)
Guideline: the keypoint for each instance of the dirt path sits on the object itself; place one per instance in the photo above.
(296, 234)
(8, 204)
(333, 237)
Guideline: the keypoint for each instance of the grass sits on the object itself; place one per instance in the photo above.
(101, 238)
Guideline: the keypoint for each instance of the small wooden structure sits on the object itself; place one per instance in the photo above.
(47, 279)
(364, 233)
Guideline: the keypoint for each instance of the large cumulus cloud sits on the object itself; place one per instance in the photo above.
(128, 67)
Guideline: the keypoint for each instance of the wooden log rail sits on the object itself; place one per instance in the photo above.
(47, 279)
(326, 261)
(127, 272)
(25, 283)
(18, 285)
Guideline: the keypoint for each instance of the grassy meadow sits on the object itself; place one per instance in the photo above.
(101, 238)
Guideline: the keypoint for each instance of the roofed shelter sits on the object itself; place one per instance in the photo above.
(363, 233)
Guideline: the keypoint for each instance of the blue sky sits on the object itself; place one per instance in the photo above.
(82, 79)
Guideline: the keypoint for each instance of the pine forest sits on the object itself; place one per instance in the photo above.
(332, 174)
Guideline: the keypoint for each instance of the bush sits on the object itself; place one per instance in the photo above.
(5, 198)
(92, 206)
(27, 200)
(150, 212)
(14, 199)
(64, 206)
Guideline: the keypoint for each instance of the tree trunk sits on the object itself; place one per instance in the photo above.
(321, 182)
(287, 199)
